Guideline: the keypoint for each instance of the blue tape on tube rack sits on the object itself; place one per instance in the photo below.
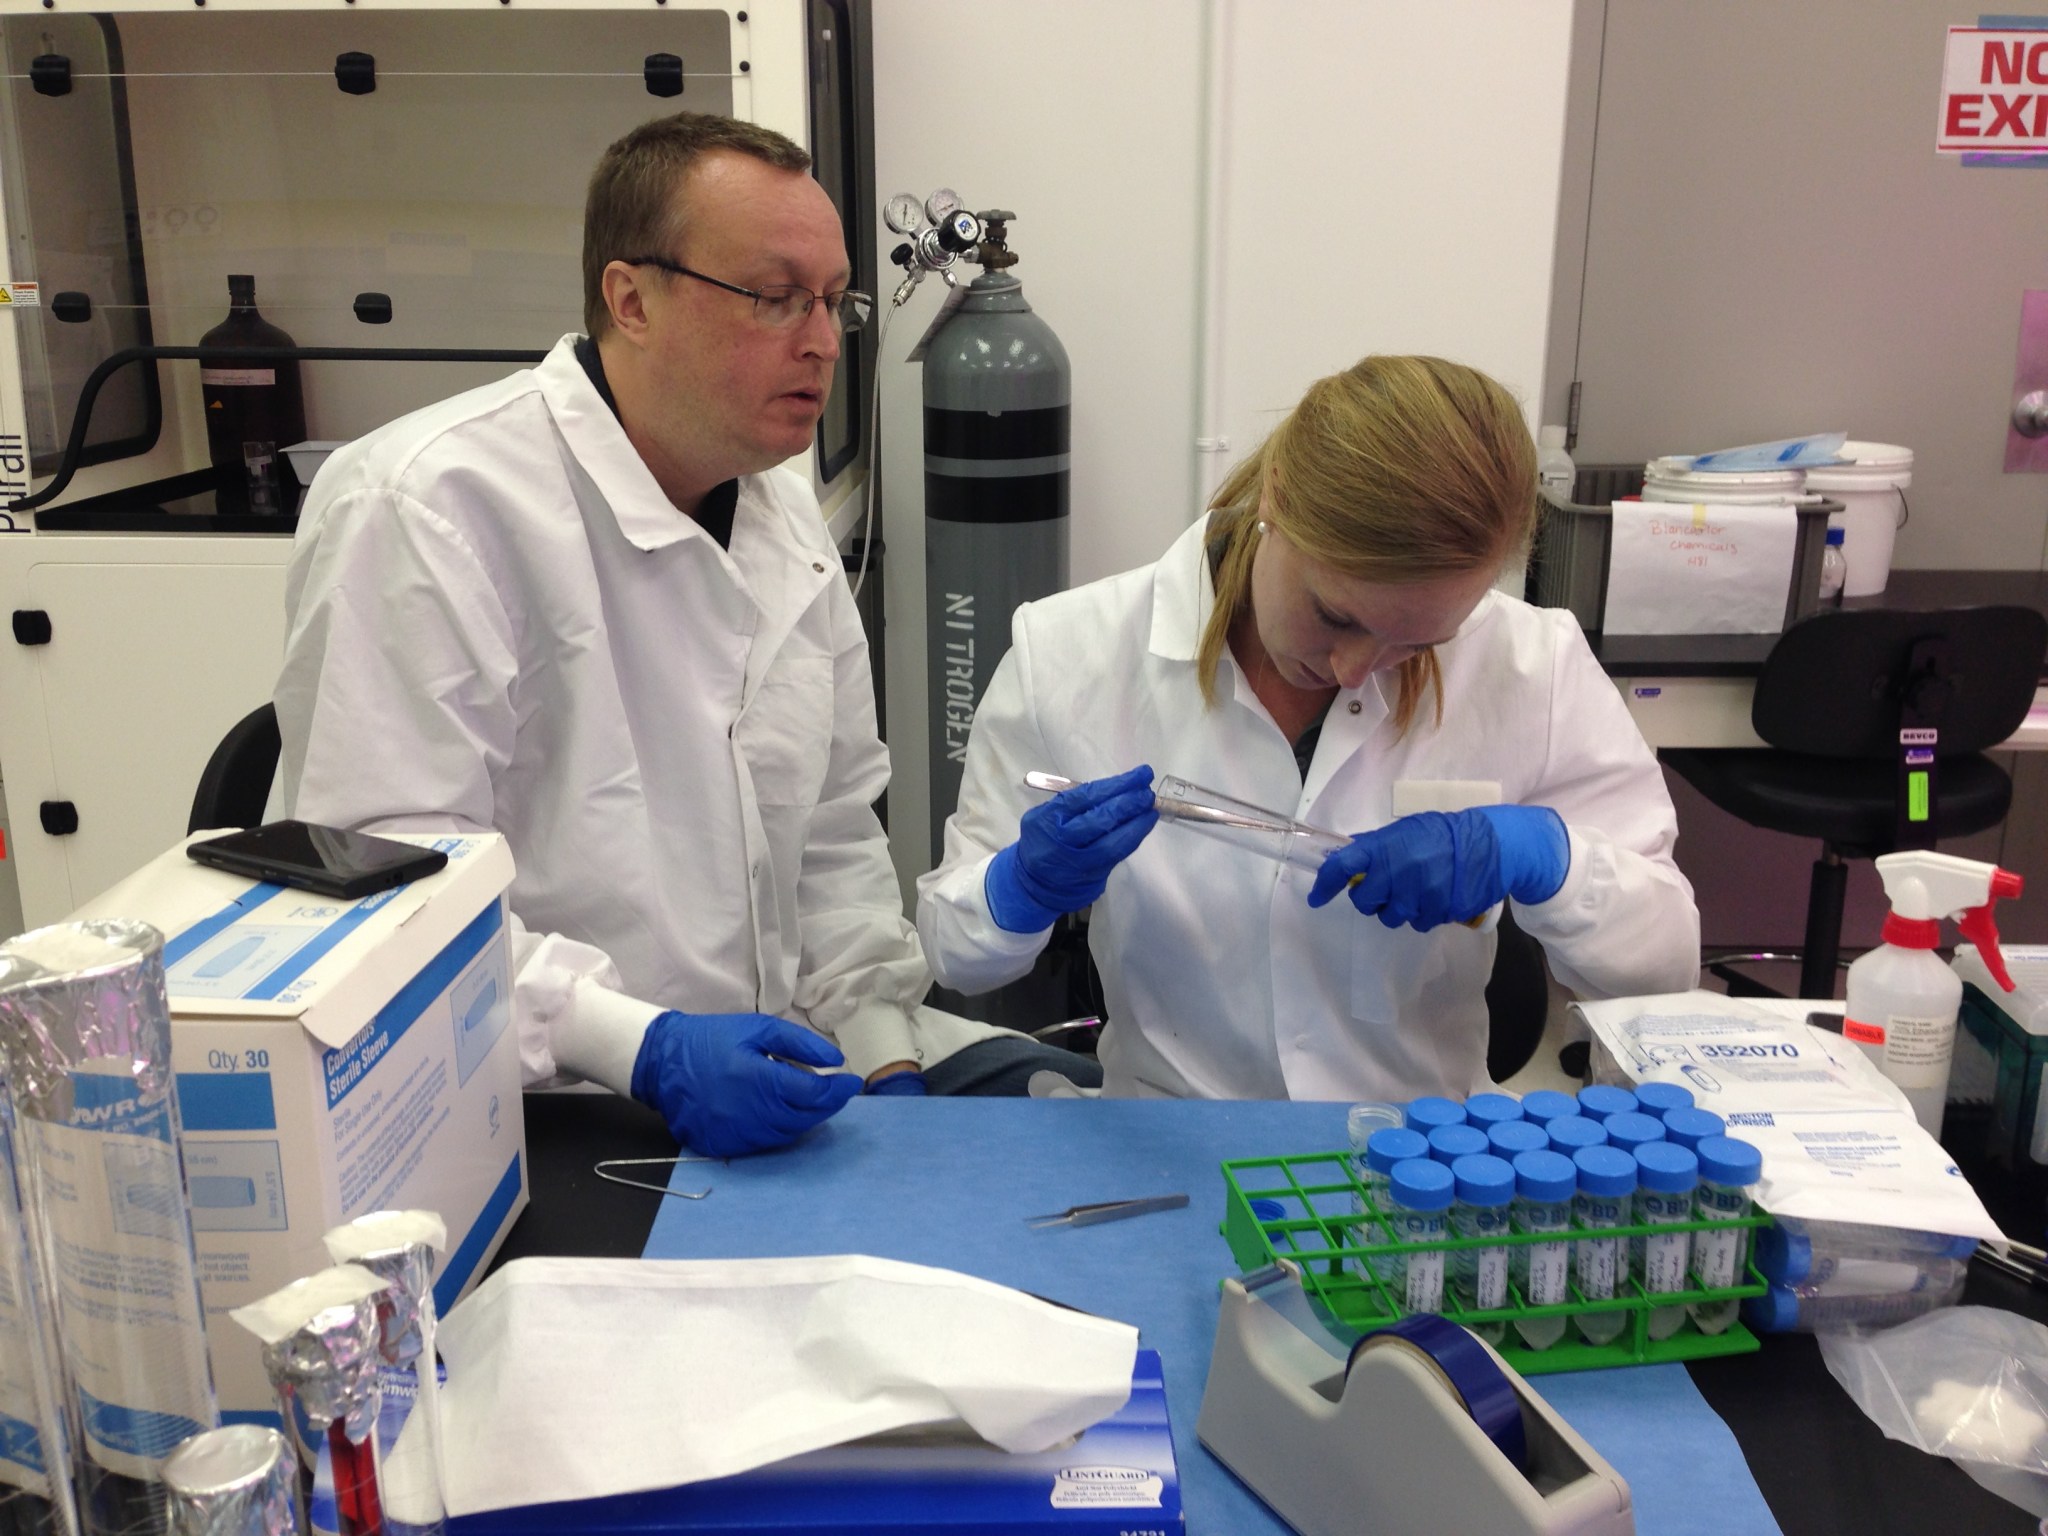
(1472, 1373)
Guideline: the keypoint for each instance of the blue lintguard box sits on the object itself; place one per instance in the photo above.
(1117, 1479)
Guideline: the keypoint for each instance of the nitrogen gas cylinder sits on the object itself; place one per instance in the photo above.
(997, 396)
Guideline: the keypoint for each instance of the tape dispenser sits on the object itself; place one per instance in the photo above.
(1419, 1427)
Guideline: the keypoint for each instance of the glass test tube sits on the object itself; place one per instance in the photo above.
(1545, 1183)
(1666, 1177)
(1607, 1180)
(1420, 1192)
(1485, 1189)
(1728, 1169)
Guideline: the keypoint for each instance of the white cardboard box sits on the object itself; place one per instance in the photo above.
(334, 1058)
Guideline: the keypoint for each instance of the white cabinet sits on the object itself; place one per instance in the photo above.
(157, 644)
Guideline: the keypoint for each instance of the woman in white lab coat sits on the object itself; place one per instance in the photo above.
(1325, 642)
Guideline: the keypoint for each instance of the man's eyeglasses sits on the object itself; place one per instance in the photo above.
(781, 305)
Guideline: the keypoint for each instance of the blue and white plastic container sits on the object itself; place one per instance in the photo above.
(1448, 1143)
(1600, 1101)
(1485, 1189)
(1420, 1193)
(1729, 1169)
(1605, 1199)
(1666, 1177)
(1545, 1183)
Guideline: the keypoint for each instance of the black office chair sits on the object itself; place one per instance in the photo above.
(1837, 698)
(236, 783)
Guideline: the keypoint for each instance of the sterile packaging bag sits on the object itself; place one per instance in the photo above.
(85, 1031)
(1839, 1140)
(1970, 1383)
(582, 1378)
(35, 1448)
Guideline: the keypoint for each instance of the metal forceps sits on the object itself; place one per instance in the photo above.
(644, 1162)
(1108, 1210)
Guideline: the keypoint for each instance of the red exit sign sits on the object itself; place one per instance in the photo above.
(1994, 92)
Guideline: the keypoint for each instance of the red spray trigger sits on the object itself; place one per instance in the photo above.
(1978, 927)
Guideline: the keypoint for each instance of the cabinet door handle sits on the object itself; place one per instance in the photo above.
(31, 626)
(59, 817)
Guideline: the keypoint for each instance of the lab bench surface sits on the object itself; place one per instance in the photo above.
(1823, 1468)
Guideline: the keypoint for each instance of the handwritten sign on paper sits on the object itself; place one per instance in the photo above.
(1699, 570)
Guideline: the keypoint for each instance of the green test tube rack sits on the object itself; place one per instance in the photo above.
(1334, 1245)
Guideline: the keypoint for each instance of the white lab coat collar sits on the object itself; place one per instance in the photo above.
(647, 519)
(1183, 597)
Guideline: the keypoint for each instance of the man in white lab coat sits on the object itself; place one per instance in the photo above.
(583, 607)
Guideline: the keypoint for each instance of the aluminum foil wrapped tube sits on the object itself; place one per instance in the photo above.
(36, 1475)
(323, 1350)
(399, 1247)
(241, 1480)
(85, 1037)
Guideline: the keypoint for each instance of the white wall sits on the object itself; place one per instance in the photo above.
(1218, 201)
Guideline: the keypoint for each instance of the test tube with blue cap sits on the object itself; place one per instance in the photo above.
(1513, 1137)
(1486, 1110)
(1448, 1143)
(1545, 1183)
(1387, 1146)
(1689, 1127)
(1630, 1130)
(1419, 1193)
(1607, 1185)
(1485, 1189)
(1431, 1110)
(1660, 1099)
(1666, 1177)
(1729, 1169)
(1602, 1100)
(1571, 1132)
(1546, 1105)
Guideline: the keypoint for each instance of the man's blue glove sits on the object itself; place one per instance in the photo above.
(902, 1085)
(713, 1078)
(1066, 848)
(1434, 868)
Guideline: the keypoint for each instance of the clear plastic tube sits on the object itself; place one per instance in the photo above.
(1243, 825)
(1607, 1186)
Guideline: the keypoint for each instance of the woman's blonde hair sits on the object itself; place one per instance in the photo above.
(1398, 469)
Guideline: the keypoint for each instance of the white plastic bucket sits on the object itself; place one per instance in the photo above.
(1869, 489)
(1669, 480)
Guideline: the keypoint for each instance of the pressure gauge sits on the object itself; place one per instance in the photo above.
(902, 214)
(942, 205)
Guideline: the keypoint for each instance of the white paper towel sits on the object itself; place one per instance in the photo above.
(579, 1378)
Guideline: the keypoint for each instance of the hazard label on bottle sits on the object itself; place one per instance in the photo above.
(1863, 1034)
(21, 295)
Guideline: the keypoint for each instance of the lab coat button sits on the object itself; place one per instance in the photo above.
(1354, 706)
(817, 567)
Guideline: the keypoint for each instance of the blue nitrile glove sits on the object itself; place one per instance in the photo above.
(713, 1078)
(1435, 868)
(1066, 848)
(900, 1085)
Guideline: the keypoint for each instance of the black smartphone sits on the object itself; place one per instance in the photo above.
(323, 859)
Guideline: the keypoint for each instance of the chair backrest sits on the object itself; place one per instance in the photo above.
(1842, 684)
(235, 786)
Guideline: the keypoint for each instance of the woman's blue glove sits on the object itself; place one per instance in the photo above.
(1066, 848)
(714, 1078)
(899, 1085)
(1434, 868)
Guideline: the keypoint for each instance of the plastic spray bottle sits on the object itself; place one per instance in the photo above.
(1902, 1000)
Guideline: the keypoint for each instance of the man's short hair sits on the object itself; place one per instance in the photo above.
(635, 207)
